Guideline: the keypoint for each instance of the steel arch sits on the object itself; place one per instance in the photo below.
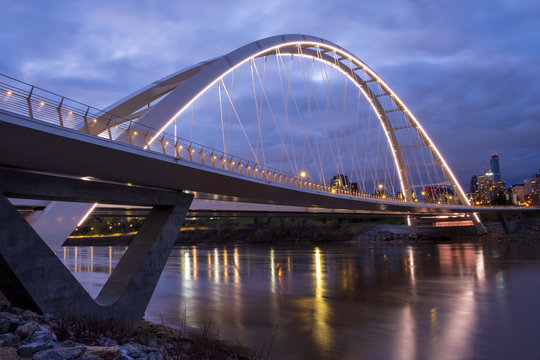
(179, 90)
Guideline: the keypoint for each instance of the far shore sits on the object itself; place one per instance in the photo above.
(309, 232)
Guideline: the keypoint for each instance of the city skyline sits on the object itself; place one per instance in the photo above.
(445, 61)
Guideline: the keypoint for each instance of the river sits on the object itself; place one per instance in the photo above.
(422, 301)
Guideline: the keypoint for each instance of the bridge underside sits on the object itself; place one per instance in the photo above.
(34, 277)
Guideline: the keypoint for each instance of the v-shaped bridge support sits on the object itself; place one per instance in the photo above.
(32, 276)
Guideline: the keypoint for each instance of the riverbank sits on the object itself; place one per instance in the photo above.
(27, 335)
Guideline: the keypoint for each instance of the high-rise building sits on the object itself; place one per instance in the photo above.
(517, 194)
(474, 184)
(495, 169)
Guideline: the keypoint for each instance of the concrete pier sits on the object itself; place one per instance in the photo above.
(32, 275)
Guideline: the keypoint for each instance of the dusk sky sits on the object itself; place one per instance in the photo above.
(468, 70)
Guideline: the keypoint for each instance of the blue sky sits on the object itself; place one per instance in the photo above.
(467, 69)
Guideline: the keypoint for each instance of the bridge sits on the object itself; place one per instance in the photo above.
(290, 124)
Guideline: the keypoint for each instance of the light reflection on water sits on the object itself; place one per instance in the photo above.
(443, 301)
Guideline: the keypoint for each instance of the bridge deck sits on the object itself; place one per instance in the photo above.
(35, 145)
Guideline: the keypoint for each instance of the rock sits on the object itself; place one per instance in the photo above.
(105, 341)
(41, 334)
(69, 353)
(28, 315)
(87, 356)
(45, 318)
(47, 355)
(25, 330)
(105, 352)
(29, 349)
(8, 353)
(69, 343)
(8, 322)
(16, 310)
(134, 350)
(155, 356)
(7, 339)
(124, 357)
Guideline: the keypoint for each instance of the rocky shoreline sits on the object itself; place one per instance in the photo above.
(28, 335)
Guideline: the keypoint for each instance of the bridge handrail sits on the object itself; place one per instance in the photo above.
(43, 105)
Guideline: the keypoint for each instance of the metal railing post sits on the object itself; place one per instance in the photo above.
(86, 119)
(109, 127)
(128, 134)
(30, 112)
(161, 141)
(176, 152)
(59, 108)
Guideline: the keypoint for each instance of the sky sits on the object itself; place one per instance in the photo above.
(468, 70)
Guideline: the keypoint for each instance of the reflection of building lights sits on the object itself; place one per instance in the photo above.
(272, 272)
(433, 317)
(480, 266)
(236, 266)
(225, 265)
(322, 331)
(216, 264)
(318, 271)
(209, 266)
(412, 265)
(194, 251)
(187, 265)
(110, 259)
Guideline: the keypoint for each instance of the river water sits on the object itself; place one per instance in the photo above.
(429, 301)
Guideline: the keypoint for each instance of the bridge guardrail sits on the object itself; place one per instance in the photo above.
(40, 104)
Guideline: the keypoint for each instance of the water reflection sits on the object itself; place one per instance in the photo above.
(321, 311)
(409, 302)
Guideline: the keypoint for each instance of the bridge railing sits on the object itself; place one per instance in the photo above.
(39, 104)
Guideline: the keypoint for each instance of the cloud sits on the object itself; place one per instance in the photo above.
(467, 69)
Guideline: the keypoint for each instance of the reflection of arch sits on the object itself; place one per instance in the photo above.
(179, 90)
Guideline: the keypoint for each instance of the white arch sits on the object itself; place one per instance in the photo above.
(179, 90)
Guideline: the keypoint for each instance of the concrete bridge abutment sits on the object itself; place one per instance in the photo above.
(33, 277)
